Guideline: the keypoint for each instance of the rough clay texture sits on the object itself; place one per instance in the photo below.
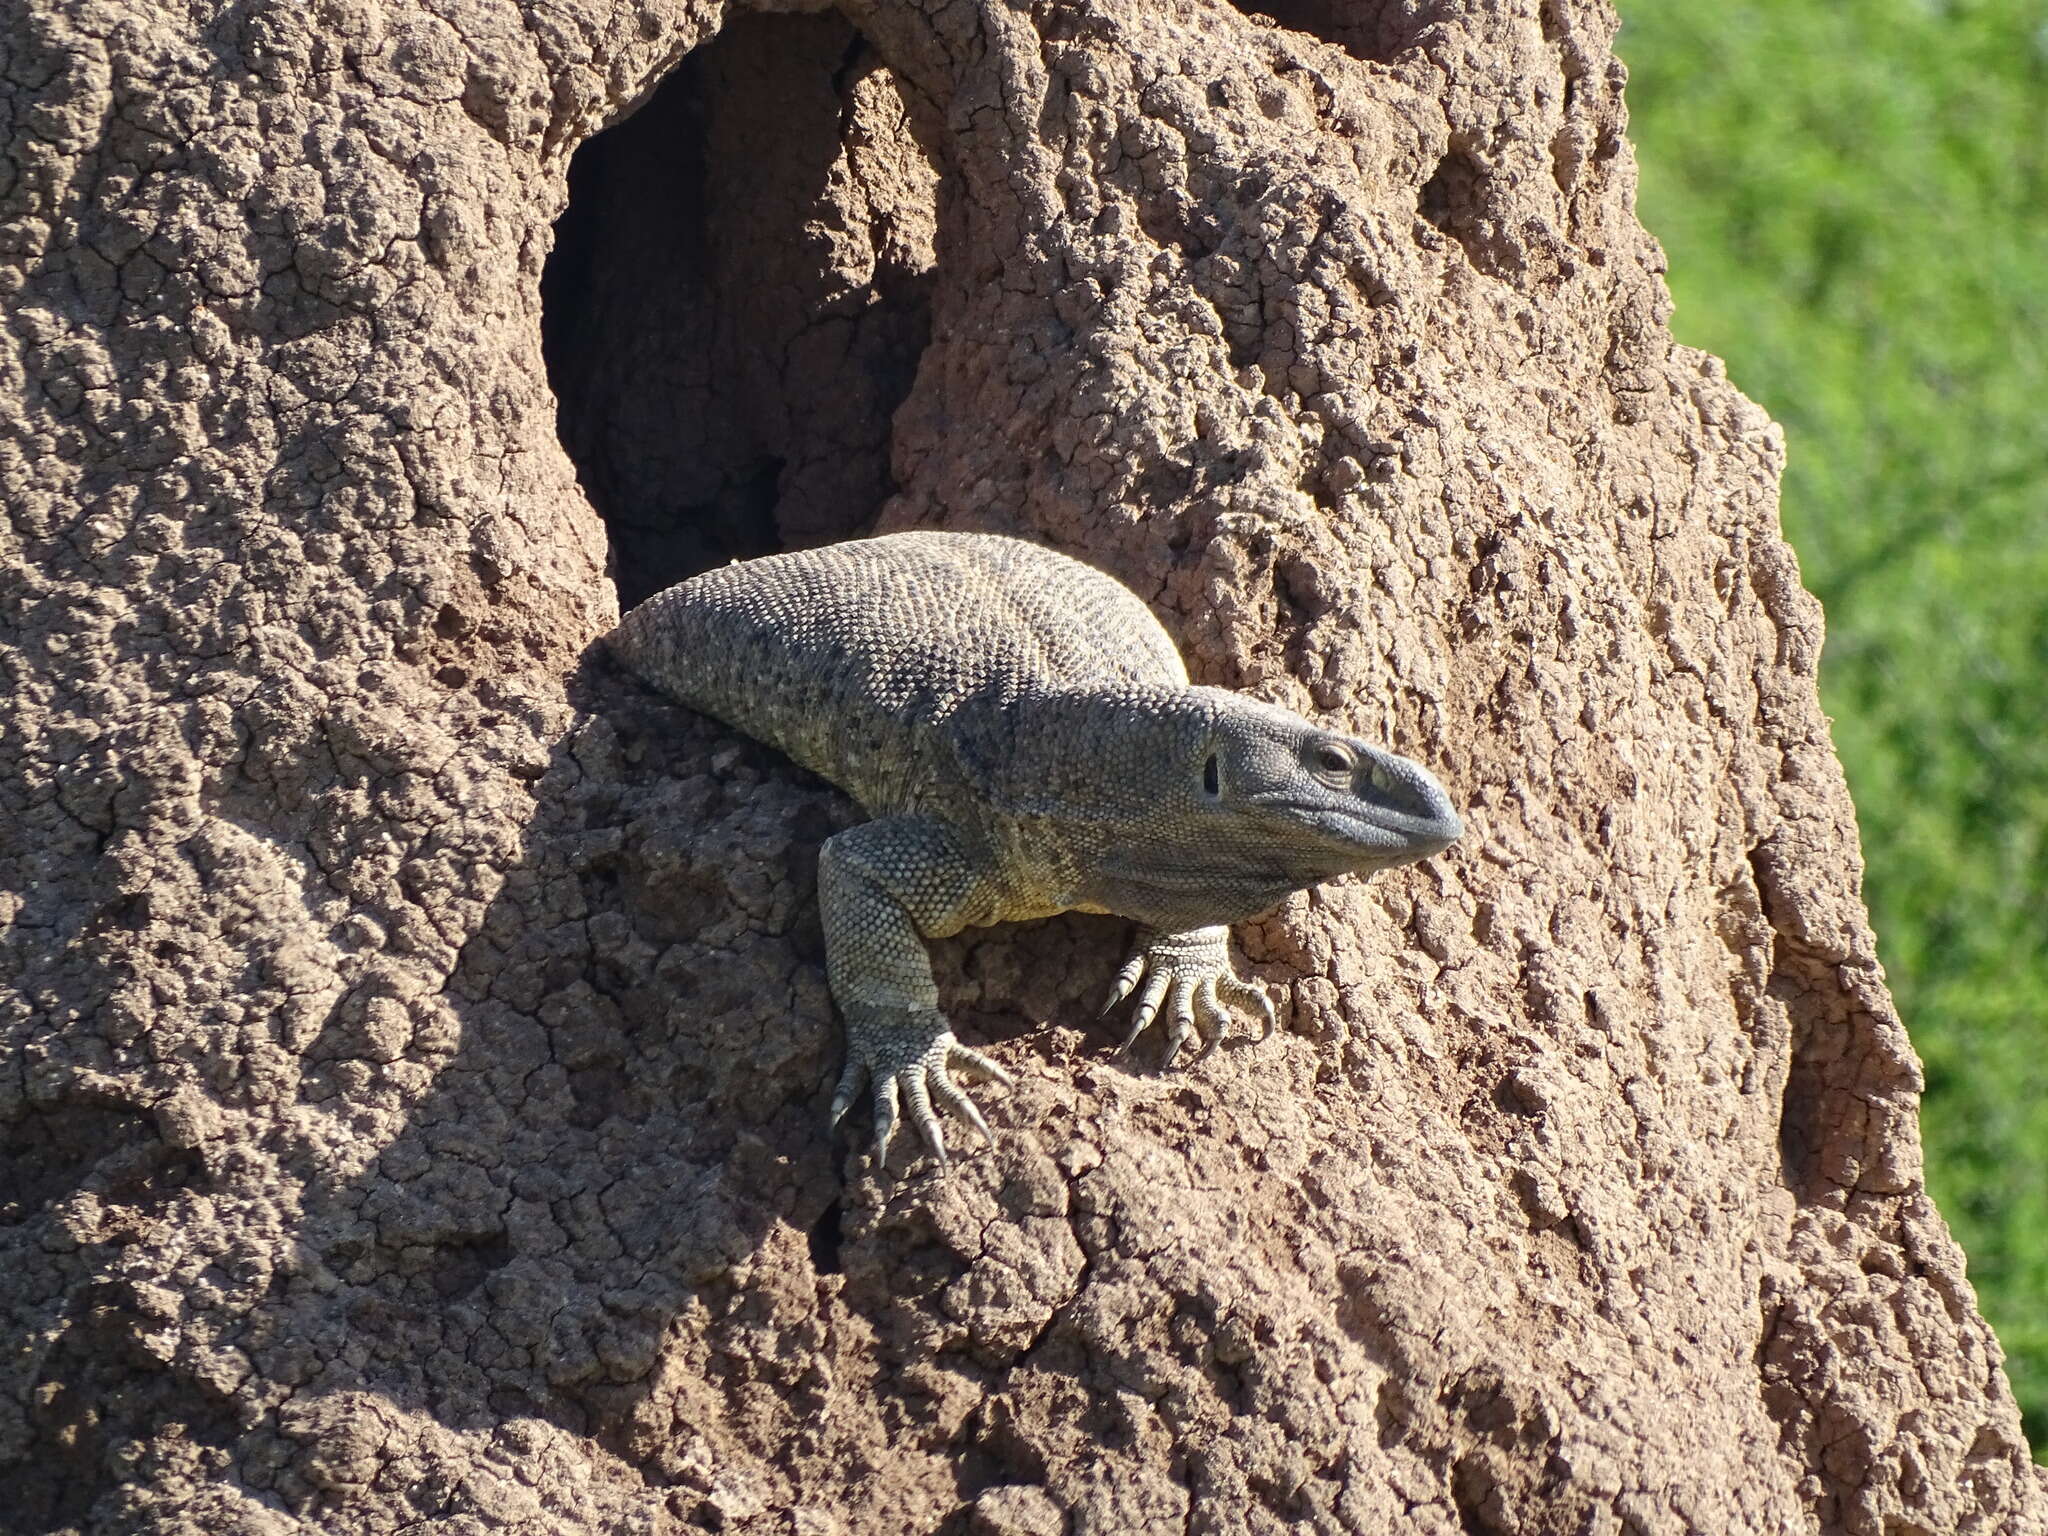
(416, 1034)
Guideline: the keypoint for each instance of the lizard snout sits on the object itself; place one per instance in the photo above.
(1408, 801)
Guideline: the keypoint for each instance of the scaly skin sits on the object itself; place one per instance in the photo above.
(1023, 733)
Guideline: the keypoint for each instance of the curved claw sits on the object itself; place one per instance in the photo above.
(918, 1097)
(1148, 1006)
(1126, 982)
(1189, 975)
(1181, 1021)
(888, 1111)
(850, 1080)
(958, 1055)
(945, 1091)
(1210, 1012)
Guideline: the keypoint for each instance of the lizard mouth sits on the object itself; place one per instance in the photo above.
(1382, 835)
(1252, 884)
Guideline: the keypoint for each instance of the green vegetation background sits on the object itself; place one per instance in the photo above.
(1854, 198)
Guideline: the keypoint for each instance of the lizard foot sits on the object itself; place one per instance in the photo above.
(905, 1057)
(1190, 974)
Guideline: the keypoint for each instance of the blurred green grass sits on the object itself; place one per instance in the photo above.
(1854, 198)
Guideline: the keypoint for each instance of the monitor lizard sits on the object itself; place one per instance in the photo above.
(1023, 733)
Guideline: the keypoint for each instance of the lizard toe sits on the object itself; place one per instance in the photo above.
(917, 1101)
(848, 1089)
(958, 1055)
(1253, 999)
(948, 1093)
(1156, 987)
(887, 1112)
(1126, 982)
(1212, 1018)
(1180, 1021)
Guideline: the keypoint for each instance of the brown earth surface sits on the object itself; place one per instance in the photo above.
(413, 1094)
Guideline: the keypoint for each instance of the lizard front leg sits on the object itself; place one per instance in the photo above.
(1190, 973)
(883, 888)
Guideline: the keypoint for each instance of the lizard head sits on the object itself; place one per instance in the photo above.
(1217, 806)
(1324, 802)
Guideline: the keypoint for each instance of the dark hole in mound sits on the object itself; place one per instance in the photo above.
(826, 1240)
(738, 297)
(1375, 32)
(1454, 199)
(1450, 197)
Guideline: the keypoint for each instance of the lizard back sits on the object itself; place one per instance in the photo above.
(851, 658)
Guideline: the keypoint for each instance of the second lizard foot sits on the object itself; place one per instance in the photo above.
(1189, 974)
(906, 1058)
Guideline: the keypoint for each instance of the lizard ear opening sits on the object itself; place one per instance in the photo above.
(688, 284)
(1212, 777)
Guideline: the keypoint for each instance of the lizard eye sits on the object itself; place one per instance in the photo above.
(1212, 781)
(1332, 760)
